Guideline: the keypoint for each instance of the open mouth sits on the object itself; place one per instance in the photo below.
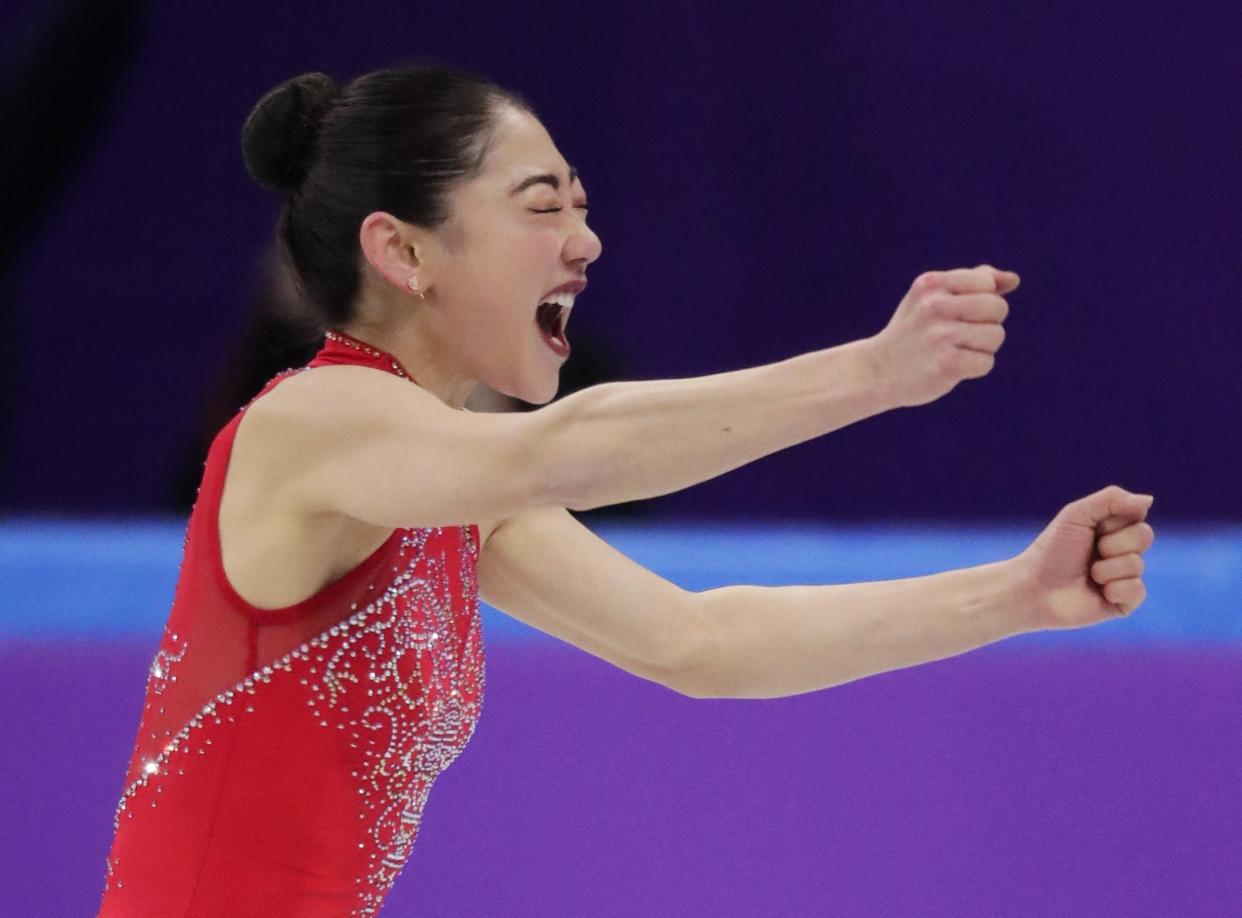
(550, 317)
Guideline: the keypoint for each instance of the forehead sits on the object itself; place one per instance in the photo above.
(521, 149)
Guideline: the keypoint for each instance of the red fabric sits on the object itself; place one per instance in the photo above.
(283, 756)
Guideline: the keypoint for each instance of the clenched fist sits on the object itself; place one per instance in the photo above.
(1087, 565)
(946, 329)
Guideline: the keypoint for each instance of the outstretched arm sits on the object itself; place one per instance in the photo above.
(545, 568)
(348, 440)
(768, 642)
(627, 441)
(765, 642)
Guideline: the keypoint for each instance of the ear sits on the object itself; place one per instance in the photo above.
(395, 250)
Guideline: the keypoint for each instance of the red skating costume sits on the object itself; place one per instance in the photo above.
(284, 756)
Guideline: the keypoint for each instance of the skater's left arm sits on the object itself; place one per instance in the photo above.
(768, 642)
(545, 568)
(1084, 569)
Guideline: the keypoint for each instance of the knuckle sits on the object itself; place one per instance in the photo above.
(947, 360)
(941, 335)
(993, 308)
(1130, 596)
(983, 363)
(928, 281)
(967, 364)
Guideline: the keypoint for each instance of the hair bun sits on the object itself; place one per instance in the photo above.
(278, 138)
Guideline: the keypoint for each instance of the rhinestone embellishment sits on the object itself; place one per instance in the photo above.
(348, 341)
(397, 678)
(389, 677)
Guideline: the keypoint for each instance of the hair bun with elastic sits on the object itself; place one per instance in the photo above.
(278, 138)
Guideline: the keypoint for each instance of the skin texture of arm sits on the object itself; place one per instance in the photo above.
(769, 642)
(370, 446)
(545, 568)
(625, 441)
(1085, 568)
(742, 641)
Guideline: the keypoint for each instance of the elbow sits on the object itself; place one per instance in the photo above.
(698, 685)
(692, 670)
(694, 685)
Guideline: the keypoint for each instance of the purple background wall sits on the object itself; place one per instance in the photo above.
(766, 179)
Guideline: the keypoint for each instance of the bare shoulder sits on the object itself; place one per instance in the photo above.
(299, 420)
(379, 449)
(260, 517)
(325, 392)
(315, 412)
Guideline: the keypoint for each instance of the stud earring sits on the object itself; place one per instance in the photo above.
(412, 283)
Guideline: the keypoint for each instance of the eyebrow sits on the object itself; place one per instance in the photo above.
(548, 179)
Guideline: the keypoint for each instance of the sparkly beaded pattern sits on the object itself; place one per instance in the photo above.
(375, 353)
(299, 787)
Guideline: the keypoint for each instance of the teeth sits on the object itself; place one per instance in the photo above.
(564, 298)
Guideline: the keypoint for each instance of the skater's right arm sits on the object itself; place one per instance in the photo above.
(376, 448)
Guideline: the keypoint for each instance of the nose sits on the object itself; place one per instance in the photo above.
(583, 246)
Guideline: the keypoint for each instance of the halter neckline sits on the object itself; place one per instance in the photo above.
(347, 340)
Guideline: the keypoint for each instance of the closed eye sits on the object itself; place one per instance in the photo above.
(554, 210)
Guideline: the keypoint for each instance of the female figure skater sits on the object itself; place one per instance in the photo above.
(322, 661)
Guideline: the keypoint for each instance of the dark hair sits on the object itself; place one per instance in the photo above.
(396, 140)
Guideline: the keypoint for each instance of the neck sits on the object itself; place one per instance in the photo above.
(430, 364)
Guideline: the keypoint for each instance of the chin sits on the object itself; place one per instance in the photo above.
(543, 395)
(533, 394)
